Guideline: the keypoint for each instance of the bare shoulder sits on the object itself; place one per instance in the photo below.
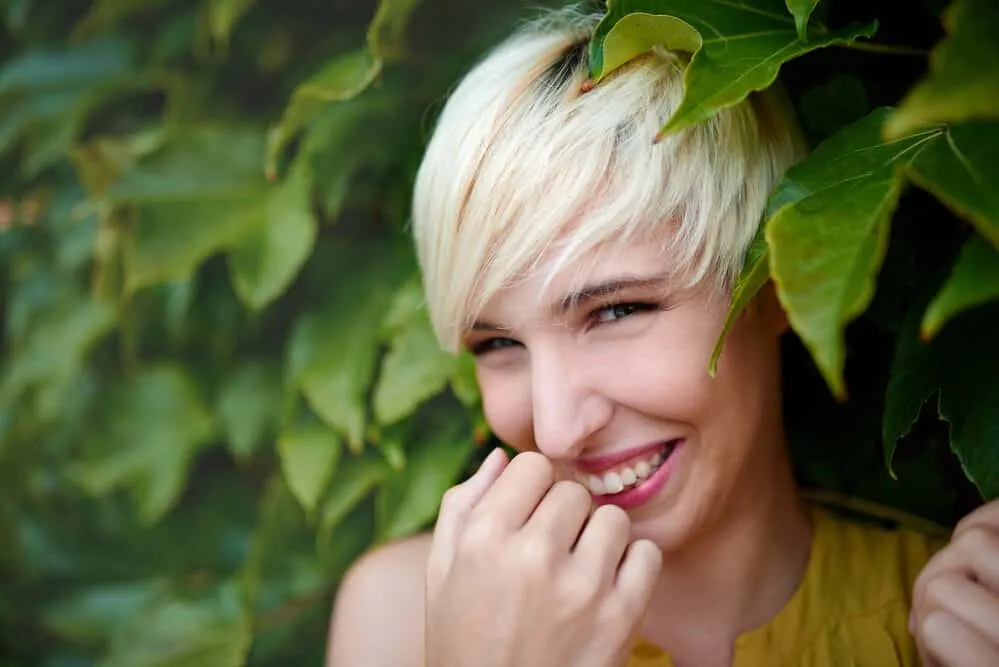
(378, 612)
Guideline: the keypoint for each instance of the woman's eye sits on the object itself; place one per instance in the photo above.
(621, 311)
(491, 345)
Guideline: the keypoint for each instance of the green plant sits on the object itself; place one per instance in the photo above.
(219, 388)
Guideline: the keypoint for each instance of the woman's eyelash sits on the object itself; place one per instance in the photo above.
(623, 310)
(490, 345)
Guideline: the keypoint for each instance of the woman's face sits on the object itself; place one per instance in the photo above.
(607, 376)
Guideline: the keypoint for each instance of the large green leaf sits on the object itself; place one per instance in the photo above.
(963, 83)
(170, 239)
(414, 369)
(356, 477)
(249, 406)
(754, 275)
(961, 362)
(344, 77)
(334, 349)
(152, 426)
(410, 498)
(210, 632)
(973, 281)
(309, 455)
(266, 260)
(828, 237)
(961, 168)
(743, 45)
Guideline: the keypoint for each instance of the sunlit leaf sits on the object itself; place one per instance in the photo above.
(962, 364)
(223, 15)
(961, 168)
(249, 406)
(151, 426)
(973, 281)
(802, 12)
(414, 369)
(309, 455)
(334, 349)
(409, 499)
(743, 45)
(212, 632)
(343, 78)
(828, 237)
(963, 83)
(266, 260)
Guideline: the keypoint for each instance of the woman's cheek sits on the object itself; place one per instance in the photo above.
(507, 408)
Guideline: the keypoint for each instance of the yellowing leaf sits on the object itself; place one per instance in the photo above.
(309, 456)
(743, 45)
(265, 261)
(828, 237)
(974, 280)
(963, 83)
(961, 168)
(636, 33)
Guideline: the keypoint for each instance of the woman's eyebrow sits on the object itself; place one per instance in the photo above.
(604, 288)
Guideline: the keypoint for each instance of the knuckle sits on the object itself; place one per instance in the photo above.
(571, 493)
(935, 592)
(536, 556)
(536, 463)
(480, 535)
(581, 588)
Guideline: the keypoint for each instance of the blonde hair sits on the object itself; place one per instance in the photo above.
(524, 168)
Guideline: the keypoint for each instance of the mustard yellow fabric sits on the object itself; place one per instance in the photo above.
(850, 610)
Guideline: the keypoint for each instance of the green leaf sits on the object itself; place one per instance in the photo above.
(170, 239)
(962, 363)
(343, 78)
(636, 33)
(153, 424)
(828, 236)
(84, 65)
(249, 406)
(414, 369)
(194, 163)
(755, 274)
(743, 47)
(961, 168)
(212, 632)
(309, 455)
(96, 612)
(223, 15)
(973, 281)
(802, 11)
(265, 261)
(963, 83)
(355, 479)
(334, 349)
(464, 382)
(409, 499)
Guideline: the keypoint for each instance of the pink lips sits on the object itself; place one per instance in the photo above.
(597, 464)
(645, 491)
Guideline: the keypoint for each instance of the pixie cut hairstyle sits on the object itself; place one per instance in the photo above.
(525, 172)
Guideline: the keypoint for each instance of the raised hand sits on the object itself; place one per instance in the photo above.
(521, 574)
(955, 611)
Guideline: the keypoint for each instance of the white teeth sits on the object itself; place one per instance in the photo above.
(613, 483)
(629, 476)
(642, 469)
(657, 459)
(596, 485)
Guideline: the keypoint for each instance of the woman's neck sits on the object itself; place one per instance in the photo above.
(738, 575)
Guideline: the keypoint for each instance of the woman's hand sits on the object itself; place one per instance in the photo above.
(510, 585)
(955, 611)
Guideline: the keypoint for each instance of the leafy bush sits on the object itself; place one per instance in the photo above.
(219, 387)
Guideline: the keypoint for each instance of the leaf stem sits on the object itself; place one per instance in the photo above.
(889, 49)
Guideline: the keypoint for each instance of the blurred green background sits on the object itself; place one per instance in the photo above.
(219, 386)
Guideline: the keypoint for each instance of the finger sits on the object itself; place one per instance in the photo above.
(517, 492)
(458, 502)
(965, 600)
(637, 576)
(604, 539)
(974, 553)
(985, 516)
(561, 514)
(950, 642)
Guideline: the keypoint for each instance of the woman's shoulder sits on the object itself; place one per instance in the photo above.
(378, 612)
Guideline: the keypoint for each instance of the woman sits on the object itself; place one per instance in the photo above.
(651, 517)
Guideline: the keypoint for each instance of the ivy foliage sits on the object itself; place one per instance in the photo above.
(219, 386)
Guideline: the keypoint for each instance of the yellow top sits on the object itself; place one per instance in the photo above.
(850, 610)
